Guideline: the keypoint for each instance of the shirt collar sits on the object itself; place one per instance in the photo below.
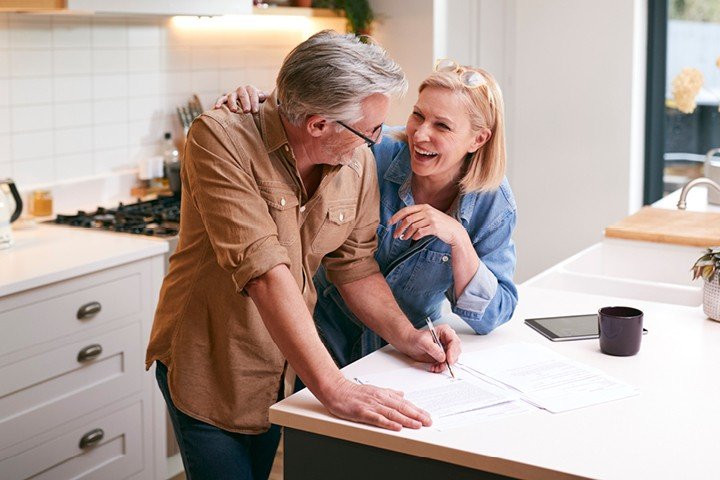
(271, 126)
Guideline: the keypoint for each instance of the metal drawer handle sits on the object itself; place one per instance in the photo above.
(88, 310)
(91, 438)
(91, 352)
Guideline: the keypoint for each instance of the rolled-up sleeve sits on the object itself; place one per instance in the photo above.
(355, 258)
(490, 298)
(241, 231)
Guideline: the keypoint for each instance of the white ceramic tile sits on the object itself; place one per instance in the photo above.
(144, 84)
(263, 78)
(4, 91)
(142, 152)
(177, 82)
(4, 123)
(231, 79)
(110, 111)
(30, 31)
(31, 172)
(4, 63)
(204, 58)
(231, 57)
(71, 32)
(73, 140)
(258, 57)
(31, 118)
(109, 60)
(4, 31)
(109, 33)
(145, 132)
(74, 114)
(114, 135)
(144, 108)
(30, 63)
(27, 146)
(72, 88)
(26, 91)
(111, 160)
(205, 81)
(6, 170)
(176, 58)
(73, 166)
(142, 60)
(73, 61)
(6, 148)
(144, 34)
(110, 86)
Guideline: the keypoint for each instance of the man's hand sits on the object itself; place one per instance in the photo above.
(376, 406)
(419, 345)
(247, 98)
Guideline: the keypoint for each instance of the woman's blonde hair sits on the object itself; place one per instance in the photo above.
(484, 105)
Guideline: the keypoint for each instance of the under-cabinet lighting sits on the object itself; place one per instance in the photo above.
(244, 22)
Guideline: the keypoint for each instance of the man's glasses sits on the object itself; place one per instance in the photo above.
(370, 142)
(470, 78)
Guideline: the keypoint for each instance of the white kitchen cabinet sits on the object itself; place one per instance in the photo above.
(72, 368)
(122, 7)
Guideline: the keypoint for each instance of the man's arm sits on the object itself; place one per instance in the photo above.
(290, 324)
(372, 302)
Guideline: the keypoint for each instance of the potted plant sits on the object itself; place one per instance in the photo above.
(707, 267)
(359, 13)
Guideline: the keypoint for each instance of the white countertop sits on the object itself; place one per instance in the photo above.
(668, 431)
(51, 253)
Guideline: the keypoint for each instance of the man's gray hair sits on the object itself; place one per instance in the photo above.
(329, 74)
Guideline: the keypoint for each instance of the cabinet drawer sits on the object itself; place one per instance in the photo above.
(50, 313)
(117, 453)
(47, 390)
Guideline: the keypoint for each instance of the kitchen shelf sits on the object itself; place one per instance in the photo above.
(298, 12)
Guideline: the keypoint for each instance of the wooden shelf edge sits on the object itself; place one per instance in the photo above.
(298, 12)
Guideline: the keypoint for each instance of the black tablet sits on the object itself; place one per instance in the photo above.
(572, 327)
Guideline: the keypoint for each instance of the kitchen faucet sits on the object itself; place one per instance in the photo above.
(697, 181)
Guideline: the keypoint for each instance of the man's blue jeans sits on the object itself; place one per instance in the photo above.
(210, 453)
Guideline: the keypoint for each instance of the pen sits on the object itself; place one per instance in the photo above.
(437, 340)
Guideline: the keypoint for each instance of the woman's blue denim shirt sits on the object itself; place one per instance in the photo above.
(420, 272)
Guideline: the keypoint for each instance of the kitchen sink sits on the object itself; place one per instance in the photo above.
(635, 270)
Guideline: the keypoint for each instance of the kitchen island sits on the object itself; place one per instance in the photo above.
(667, 431)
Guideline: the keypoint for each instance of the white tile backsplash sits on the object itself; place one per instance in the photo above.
(73, 140)
(72, 88)
(72, 61)
(31, 118)
(29, 91)
(28, 146)
(30, 63)
(86, 95)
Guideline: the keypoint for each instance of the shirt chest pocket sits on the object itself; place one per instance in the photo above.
(282, 206)
(335, 228)
(432, 273)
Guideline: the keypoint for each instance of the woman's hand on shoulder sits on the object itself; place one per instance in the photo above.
(418, 221)
(247, 99)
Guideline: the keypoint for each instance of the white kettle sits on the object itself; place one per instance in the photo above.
(7, 215)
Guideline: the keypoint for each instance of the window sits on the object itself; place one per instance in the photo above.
(682, 34)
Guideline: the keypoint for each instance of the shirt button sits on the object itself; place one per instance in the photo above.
(282, 201)
(445, 258)
(341, 217)
(287, 149)
(302, 209)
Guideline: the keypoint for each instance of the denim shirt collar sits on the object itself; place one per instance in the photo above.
(400, 172)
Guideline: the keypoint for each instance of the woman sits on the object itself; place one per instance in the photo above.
(446, 212)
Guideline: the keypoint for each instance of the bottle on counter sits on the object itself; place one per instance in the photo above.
(171, 161)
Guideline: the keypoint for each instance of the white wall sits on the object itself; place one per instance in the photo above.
(91, 95)
(576, 84)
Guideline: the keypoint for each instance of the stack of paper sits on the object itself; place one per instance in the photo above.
(503, 381)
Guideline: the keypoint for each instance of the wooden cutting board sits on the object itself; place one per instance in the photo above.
(698, 229)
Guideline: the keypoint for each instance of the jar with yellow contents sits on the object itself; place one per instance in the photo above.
(42, 203)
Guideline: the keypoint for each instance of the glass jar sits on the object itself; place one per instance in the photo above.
(42, 203)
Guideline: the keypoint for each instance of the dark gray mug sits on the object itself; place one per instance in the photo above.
(621, 330)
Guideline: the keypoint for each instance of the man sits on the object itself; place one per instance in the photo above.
(266, 199)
